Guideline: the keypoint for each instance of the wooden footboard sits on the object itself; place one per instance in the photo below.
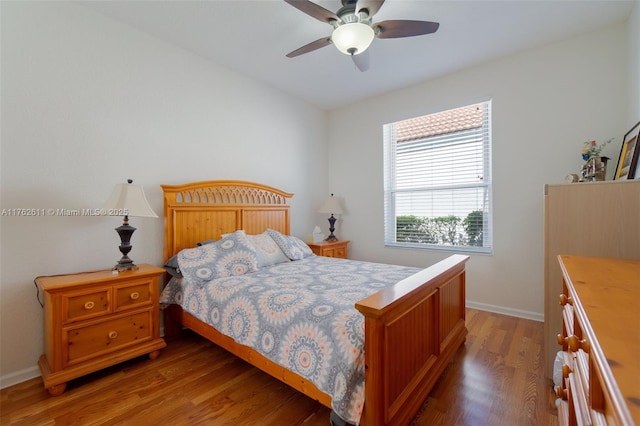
(412, 330)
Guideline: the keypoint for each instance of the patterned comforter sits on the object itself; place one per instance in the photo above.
(299, 314)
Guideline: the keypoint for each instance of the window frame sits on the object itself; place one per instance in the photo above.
(390, 188)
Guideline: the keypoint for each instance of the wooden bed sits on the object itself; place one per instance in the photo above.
(412, 329)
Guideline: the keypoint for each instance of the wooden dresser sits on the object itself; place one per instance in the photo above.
(97, 319)
(600, 341)
(598, 219)
(331, 248)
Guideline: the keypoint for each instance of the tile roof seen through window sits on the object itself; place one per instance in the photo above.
(453, 120)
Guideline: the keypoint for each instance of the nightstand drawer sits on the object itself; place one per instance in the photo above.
(334, 252)
(80, 306)
(82, 343)
(336, 249)
(340, 252)
(133, 295)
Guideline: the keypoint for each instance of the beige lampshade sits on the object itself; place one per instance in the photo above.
(128, 199)
(332, 205)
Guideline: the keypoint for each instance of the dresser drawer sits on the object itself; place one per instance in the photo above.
(78, 306)
(602, 385)
(133, 295)
(98, 338)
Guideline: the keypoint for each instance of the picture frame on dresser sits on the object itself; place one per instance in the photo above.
(629, 152)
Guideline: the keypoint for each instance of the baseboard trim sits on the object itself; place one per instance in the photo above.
(19, 377)
(535, 316)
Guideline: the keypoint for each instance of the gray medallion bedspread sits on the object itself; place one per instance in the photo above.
(299, 314)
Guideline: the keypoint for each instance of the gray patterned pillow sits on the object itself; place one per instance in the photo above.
(232, 255)
(294, 248)
(267, 250)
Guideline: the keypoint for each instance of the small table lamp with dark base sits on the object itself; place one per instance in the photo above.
(332, 205)
(127, 200)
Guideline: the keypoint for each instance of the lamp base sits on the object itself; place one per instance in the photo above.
(125, 231)
(332, 222)
(123, 266)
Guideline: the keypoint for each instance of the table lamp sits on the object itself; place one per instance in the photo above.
(127, 200)
(332, 205)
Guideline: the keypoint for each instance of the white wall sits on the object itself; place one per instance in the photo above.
(634, 64)
(87, 103)
(546, 103)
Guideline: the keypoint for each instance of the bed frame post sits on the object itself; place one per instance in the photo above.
(172, 328)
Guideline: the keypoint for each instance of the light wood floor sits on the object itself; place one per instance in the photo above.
(495, 379)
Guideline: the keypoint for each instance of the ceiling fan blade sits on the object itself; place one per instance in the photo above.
(313, 10)
(372, 6)
(314, 45)
(397, 29)
(361, 60)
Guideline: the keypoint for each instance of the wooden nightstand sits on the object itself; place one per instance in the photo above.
(331, 248)
(97, 319)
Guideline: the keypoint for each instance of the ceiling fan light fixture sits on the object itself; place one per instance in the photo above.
(352, 38)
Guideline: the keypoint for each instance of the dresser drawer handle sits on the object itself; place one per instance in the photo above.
(566, 370)
(564, 299)
(89, 305)
(561, 392)
(113, 334)
(135, 295)
(585, 345)
(573, 343)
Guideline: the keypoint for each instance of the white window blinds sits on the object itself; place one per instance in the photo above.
(437, 180)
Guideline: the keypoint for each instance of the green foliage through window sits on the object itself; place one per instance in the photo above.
(443, 230)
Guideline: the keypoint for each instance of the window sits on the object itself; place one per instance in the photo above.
(437, 180)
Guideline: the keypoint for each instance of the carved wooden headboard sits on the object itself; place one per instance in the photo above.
(200, 211)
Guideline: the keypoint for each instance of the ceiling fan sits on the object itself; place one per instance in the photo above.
(353, 30)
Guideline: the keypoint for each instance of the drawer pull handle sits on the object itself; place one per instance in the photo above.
(113, 334)
(89, 305)
(573, 343)
(566, 370)
(585, 345)
(561, 392)
(135, 295)
(564, 299)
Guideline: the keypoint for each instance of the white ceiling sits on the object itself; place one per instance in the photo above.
(252, 38)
